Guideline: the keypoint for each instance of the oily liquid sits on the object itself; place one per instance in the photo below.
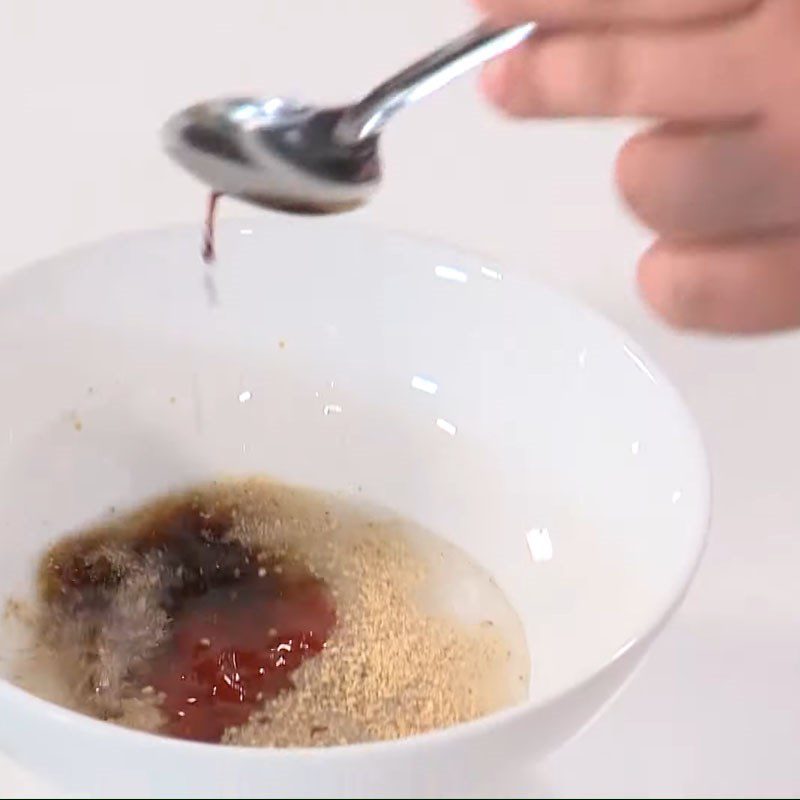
(254, 614)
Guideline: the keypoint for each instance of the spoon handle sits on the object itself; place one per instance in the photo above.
(368, 117)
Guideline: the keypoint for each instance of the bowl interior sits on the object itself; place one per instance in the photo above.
(415, 377)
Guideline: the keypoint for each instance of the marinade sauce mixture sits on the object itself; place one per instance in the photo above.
(240, 622)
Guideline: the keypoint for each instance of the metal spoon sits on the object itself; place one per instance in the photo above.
(283, 154)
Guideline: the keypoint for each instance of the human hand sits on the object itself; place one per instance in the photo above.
(718, 177)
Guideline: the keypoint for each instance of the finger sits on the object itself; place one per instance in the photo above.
(711, 183)
(746, 288)
(697, 73)
(602, 11)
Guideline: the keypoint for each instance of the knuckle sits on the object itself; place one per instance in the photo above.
(581, 73)
(608, 71)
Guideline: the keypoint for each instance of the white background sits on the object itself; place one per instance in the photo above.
(84, 86)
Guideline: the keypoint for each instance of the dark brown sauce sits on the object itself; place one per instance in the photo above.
(240, 621)
(209, 251)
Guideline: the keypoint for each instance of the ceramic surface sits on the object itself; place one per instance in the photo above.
(503, 417)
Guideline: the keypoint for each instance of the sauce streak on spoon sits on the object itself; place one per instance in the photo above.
(291, 206)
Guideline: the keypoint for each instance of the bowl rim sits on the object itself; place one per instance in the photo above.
(28, 703)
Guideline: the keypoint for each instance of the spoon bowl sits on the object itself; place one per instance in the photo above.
(274, 152)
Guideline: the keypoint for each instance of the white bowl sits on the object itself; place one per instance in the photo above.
(503, 417)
